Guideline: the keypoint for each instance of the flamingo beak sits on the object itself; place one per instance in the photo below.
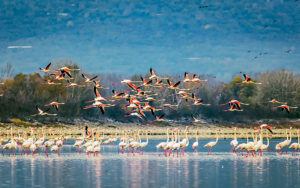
(270, 129)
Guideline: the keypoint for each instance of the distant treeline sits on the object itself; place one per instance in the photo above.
(22, 92)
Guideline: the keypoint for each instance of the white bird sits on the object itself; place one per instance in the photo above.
(234, 142)
(210, 145)
(195, 144)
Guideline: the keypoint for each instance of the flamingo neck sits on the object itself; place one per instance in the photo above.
(234, 137)
(167, 135)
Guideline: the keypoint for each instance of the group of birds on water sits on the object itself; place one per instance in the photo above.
(130, 142)
(138, 97)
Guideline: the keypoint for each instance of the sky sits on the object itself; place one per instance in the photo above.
(130, 36)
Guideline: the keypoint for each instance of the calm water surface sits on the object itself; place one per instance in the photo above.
(111, 169)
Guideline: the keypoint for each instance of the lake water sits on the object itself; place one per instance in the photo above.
(113, 169)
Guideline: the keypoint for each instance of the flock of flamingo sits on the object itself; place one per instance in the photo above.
(130, 142)
(139, 103)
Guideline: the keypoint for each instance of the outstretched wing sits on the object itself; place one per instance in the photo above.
(48, 66)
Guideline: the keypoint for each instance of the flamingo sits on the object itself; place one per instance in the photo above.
(145, 83)
(97, 85)
(233, 108)
(173, 86)
(72, 84)
(265, 147)
(195, 144)
(68, 70)
(185, 142)
(162, 145)
(186, 78)
(196, 120)
(210, 145)
(158, 118)
(134, 114)
(117, 95)
(247, 80)
(45, 70)
(274, 101)
(295, 145)
(197, 80)
(96, 104)
(59, 76)
(154, 76)
(144, 144)
(170, 144)
(172, 106)
(87, 79)
(234, 102)
(234, 142)
(285, 107)
(243, 146)
(51, 82)
(43, 113)
(176, 145)
(198, 101)
(286, 142)
(55, 104)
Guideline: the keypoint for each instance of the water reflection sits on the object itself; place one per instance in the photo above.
(111, 169)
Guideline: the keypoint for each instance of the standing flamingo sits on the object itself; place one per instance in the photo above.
(195, 144)
(210, 145)
(234, 142)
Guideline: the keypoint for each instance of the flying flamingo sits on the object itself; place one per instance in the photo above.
(68, 70)
(158, 118)
(145, 83)
(154, 76)
(59, 76)
(186, 78)
(198, 101)
(126, 81)
(51, 82)
(233, 108)
(97, 85)
(274, 101)
(87, 79)
(172, 106)
(247, 80)
(55, 104)
(45, 70)
(98, 96)
(72, 84)
(196, 120)
(173, 86)
(285, 107)
(235, 102)
(210, 145)
(43, 113)
(134, 114)
(117, 95)
(197, 80)
(96, 104)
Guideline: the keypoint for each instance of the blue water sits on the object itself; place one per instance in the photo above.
(113, 169)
